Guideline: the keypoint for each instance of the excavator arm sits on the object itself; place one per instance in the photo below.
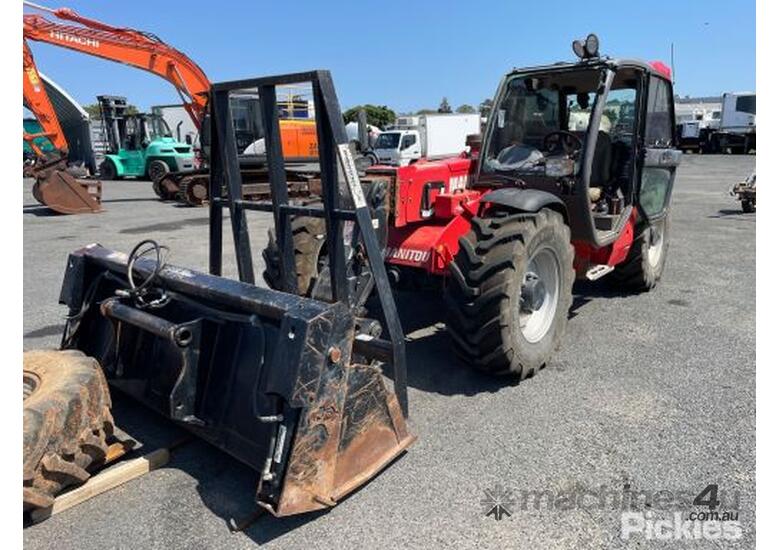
(37, 100)
(124, 45)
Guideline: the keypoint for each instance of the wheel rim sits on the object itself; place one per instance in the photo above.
(655, 250)
(156, 172)
(30, 384)
(539, 295)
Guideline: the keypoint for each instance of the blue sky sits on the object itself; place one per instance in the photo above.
(406, 54)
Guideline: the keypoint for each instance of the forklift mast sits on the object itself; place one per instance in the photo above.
(113, 110)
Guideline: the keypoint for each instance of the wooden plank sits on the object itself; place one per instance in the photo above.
(104, 481)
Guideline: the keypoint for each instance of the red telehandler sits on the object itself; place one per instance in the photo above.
(573, 179)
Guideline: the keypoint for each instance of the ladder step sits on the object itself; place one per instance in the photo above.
(598, 271)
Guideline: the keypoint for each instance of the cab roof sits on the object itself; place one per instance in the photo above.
(658, 68)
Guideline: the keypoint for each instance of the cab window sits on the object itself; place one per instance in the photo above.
(659, 129)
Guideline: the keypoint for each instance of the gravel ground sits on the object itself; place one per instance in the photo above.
(649, 393)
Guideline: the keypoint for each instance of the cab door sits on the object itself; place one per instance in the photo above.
(660, 157)
(132, 154)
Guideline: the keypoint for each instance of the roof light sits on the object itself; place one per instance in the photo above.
(588, 48)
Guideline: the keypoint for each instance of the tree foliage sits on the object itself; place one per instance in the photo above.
(377, 115)
(465, 109)
(444, 106)
(484, 107)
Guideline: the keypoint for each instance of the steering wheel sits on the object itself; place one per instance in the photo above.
(563, 141)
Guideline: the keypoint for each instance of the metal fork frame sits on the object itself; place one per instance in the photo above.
(335, 211)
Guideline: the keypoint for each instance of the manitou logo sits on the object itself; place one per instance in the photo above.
(72, 38)
(407, 254)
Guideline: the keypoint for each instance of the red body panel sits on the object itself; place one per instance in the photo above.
(430, 243)
(586, 255)
(411, 182)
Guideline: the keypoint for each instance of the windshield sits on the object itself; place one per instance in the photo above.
(531, 110)
(157, 127)
(387, 140)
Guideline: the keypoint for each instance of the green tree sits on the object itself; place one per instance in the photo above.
(426, 111)
(485, 107)
(377, 115)
(93, 110)
(466, 109)
(444, 106)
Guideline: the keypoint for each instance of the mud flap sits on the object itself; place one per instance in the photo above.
(58, 190)
(266, 376)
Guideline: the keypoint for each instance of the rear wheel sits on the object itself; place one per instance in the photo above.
(308, 249)
(108, 170)
(510, 291)
(748, 206)
(67, 422)
(644, 265)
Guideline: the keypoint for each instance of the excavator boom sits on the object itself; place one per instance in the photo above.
(37, 100)
(129, 46)
(148, 52)
(54, 186)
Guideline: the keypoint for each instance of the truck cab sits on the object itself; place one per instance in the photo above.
(398, 147)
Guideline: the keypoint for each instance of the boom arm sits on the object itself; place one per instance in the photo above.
(37, 100)
(129, 46)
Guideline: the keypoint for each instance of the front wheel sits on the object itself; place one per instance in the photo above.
(510, 291)
(108, 170)
(748, 206)
(158, 169)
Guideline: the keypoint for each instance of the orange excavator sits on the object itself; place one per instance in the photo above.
(54, 186)
(148, 52)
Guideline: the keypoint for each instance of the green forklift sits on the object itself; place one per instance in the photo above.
(140, 145)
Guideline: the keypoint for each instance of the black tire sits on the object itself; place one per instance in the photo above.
(108, 170)
(157, 170)
(160, 191)
(748, 206)
(643, 267)
(309, 251)
(484, 292)
(67, 422)
(193, 191)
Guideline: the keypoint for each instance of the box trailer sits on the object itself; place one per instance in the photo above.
(736, 132)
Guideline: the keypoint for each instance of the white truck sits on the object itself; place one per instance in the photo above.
(432, 136)
(736, 131)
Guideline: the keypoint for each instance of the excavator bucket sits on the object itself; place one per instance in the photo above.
(289, 385)
(65, 194)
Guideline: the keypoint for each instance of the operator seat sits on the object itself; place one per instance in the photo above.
(601, 170)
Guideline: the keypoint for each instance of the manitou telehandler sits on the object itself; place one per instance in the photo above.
(574, 178)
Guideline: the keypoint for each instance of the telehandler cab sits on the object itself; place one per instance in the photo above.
(574, 178)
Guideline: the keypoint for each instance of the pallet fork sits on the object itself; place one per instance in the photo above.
(287, 384)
